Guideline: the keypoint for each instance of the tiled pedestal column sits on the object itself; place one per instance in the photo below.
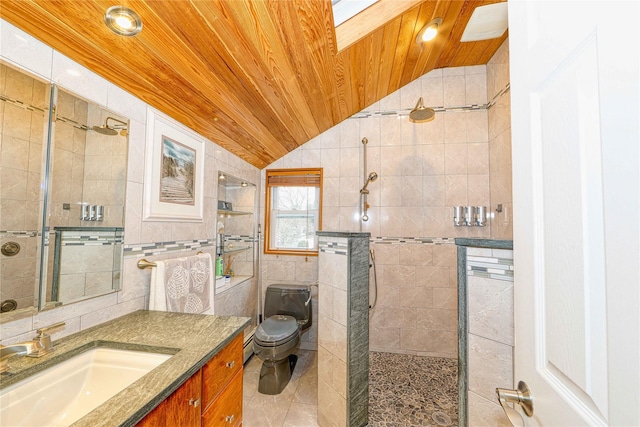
(343, 329)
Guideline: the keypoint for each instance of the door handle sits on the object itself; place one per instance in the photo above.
(520, 396)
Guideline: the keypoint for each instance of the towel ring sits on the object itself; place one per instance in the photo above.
(144, 263)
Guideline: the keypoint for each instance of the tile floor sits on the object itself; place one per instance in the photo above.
(404, 391)
(296, 406)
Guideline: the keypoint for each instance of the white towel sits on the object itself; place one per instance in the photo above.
(184, 285)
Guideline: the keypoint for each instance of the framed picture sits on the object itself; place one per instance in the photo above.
(174, 171)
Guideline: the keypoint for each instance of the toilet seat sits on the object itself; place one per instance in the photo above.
(276, 330)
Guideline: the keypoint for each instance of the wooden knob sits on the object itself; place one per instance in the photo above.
(231, 364)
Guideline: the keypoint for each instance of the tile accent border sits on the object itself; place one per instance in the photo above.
(89, 236)
(19, 234)
(490, 267)
(413, 240)
(463, 321)
(337, 248)
(158, 248)
(405, 111)
(440, 109)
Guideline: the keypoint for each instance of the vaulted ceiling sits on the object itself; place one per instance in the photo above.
(258, 77)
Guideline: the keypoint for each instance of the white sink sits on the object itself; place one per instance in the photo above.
(64, 393)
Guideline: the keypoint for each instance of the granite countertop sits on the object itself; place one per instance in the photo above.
(193, 339)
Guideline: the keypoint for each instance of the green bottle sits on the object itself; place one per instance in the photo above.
(219, 266)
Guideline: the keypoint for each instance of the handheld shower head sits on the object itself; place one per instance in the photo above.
(372, 177)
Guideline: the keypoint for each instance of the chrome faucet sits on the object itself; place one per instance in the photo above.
(6, 352)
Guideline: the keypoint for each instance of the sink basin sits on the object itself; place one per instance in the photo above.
(64, 393)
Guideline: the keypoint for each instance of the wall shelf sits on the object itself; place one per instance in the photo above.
(221, 286)
(226, 212)
(236, 230)
(234, 250)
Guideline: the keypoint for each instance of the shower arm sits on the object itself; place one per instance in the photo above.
(122, 125)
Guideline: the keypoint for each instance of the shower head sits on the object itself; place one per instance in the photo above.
(372, 177)
(422, 114)
(110, 130)
(105, 130)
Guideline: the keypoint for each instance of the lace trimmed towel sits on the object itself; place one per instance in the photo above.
(183, 285)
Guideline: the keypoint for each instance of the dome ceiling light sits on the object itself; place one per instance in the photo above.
(429, 31)
(123, 21)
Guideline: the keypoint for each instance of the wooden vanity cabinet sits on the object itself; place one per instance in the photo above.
(222, 387)
(211, 397)
(182, 408)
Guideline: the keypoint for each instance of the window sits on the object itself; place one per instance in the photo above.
(293, 211)
(343, 10)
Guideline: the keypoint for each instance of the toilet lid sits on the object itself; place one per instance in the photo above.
(276, 328)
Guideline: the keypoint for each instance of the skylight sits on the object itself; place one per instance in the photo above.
(344, 10)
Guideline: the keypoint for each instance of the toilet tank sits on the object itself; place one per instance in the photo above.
(289, 300)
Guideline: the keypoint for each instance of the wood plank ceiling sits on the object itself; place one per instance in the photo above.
(258, 77)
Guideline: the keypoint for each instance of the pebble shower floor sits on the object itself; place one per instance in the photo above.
(412, 391)
(404, 391)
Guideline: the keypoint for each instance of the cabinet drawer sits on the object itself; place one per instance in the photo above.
(226, 409)
(219, 370)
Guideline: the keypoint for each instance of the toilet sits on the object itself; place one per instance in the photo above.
(287, 312)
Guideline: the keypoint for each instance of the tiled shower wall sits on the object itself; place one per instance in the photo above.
(20, 164)
(500, 143)
(424, 170)
(23, 51)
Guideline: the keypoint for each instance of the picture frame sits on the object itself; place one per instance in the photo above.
(174, 171)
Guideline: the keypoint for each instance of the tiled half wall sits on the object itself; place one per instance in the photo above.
(343, 329)
(486, 336)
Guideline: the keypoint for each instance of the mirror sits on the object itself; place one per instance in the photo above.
(71, 215)
(24, 111)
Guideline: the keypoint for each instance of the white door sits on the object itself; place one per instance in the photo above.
(575, 115)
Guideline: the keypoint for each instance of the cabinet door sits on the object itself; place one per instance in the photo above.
(155, 418)
(219, 370)
(226, 409)
(182, 408)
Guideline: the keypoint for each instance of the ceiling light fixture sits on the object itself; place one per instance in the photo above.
(123, 21)
(221, 176)
(429, 31)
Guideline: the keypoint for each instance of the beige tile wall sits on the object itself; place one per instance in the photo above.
(332, 338)
(500, 143)
(424, 170)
